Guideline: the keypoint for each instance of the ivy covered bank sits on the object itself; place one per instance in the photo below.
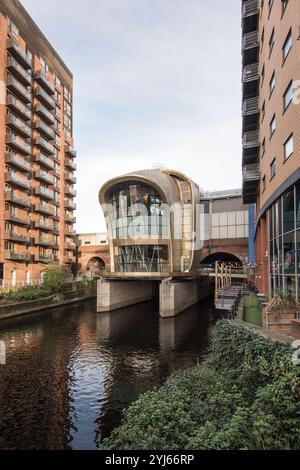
(246, 395)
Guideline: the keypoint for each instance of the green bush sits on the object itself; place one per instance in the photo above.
(244, 396)
(55, 279)
(26, 294)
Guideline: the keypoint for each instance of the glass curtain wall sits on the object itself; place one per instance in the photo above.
(284, 236)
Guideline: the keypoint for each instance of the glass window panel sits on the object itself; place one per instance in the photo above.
(289, 284)
(289, 250)
(271, 223)
(298, 206)
(288, 211)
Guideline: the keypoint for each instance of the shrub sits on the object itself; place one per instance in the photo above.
(55, 279)
(26, 294)
(244, 396)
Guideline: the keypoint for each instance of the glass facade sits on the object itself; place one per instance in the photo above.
(138, 211)
(139, 259)
(284, 239)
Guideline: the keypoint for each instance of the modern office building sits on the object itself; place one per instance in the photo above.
(271, 138)
(37, 159)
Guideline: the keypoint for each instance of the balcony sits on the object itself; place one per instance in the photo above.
(18, 126)
(70, 246)
(70, 204)
(250, 40)
(70, 233)
(19, 108)
(251, 139)
(70, 219)
(17, 162)
(44, 113)
(21, 257)
(250, 8)
(44, 98)
(44, 160)
(251, 179)
(70, 178)
(56, 229)
(44, 145)
(43, 241)
(16, 237)
(44, 129)
(70, 151)
(19, 90)
(70, 164)
(22, 57)
(22, 201)
(44, 193)
(17, 181)
(251, 106)
(44, 81)
(17, 144)
(43, 225)
(46, 259)
(69, 191)
(45, 177)
(16, 69)
(17, 219)
(69, 259)
(251, 73)
(44, 209)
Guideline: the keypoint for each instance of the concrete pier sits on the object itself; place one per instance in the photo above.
(113, 295)
(178, 296)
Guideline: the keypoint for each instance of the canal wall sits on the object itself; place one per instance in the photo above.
(178, 296)
(12, 310)
(113, 295)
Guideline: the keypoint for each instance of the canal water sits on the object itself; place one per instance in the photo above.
(70, 372)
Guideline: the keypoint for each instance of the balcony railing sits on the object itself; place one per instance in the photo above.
(250, 40)
(251, 139)
(41, 224)
(70, 219)
(17, 162)
(19, 90)
(44, 176)
(70, 151)
(44, 81)
(18, 144)
(44, 160)
(70, 204)
(44, 209)
(249, 8)
(13, 198)
(251, 106)
(251, 172)
(13, 256)
(18, 126)
(69, 260)
(44, 192)
(44, 145)
(19, 54)
(19, 108)
(70, 246)
(44, 129)
(16, 237)
(251, 73)
(15, 68)
(70, 164)
(70, 178)
(69, 191)
(44, 113)
(46, 259)
(42, 241)
(16, 180)
(44, 98)
(17, 218)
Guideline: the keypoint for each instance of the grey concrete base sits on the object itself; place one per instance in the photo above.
(176, 297)
(112, 295)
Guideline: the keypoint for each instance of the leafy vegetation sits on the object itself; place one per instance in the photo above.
(244, 396)
(55, 279)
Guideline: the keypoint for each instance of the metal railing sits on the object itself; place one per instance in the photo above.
(251, 106)
(249, 8)
(251, 172)
(251, 139)
(250, 40)
(251, 72)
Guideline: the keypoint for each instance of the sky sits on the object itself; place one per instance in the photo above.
(155, 81)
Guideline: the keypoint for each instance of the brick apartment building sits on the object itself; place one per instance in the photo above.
(37, 160)
(271, 138)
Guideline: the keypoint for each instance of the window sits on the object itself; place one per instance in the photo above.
(263, 147)
(273, 168)
(289, 147)
(273, 125)
(263, 37)
(272, 41)
(264, 184)
(287, 45)
(288, 96)
(263, 74)
(263, 110)
(284, 4)
(270, 5)
(272, 83)
(12, 28)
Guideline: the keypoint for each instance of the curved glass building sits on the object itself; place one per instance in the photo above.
(151, 219)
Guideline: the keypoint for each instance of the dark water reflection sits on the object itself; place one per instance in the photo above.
(70, 372)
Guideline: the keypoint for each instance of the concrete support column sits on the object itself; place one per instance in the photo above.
(176, 297)
(113, 295)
